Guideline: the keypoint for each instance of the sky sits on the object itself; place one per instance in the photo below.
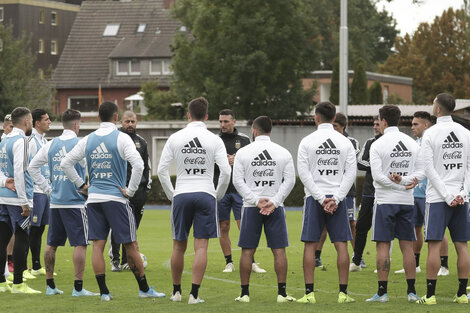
(409, 16)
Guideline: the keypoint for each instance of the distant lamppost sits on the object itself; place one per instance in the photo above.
(343, 59)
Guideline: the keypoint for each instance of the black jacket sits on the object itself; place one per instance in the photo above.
(141, 146)
(233, 142)
(355, 143)
(363, 164)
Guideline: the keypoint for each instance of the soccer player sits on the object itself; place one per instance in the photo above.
(15, 206)
(40, 213)
(232, 201)
(7, 126)
(327, 168)
(445, 148)
(395, 153)
(264, 175)
(67, 218)
(364, 219)
(194, 198)
(137, 202)
(107, 151)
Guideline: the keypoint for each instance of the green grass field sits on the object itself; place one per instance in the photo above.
(219, 289)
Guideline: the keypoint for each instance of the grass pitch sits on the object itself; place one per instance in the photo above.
(219, 289)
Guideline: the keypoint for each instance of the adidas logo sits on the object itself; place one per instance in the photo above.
(452, 142)
(101, 152)
(194, 146)
(263, 159)
(400, 150)
(60, 155)
(328, 147)
(3, 152)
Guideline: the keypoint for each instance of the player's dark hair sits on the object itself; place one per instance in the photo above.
(107, 110)
(263, 124)
(18, 114)
(198, 108)
(376, 118)
(70, 115)
(37, 115)
(390, 113)
(433, 119)
(341, 119)
(326, 110)
(227, 112)
(446, 102)
(422, 115)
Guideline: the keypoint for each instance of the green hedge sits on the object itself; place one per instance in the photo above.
(295, 198)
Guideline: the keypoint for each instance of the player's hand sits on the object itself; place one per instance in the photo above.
(268, 208)
(124, 192)
(326, 201)
(262, 202)
(231, 158)
(26, 210)
(84, 190)
(412, 184)
(330, 207)
(10, 184)
(457, 201)
(395, 178)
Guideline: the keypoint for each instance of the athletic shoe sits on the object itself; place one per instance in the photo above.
(28, 275)
(229, 268)
(412, 297)
(308, 298)
(402, 271)
(10, 278)
(4, 287)
(345, 298)
(51, 292)
(244, 299)
(377, 298)
(151, 294)
(23, 288)
(115, 267)
(106, 297)
(354, 268)
(193, 300)
(84, 293)
(428, 301)
(255, 268)
(11, 267)
(318, 262)
(176, 297)
(363, 263)
(443, 271)
(41, 271)
(282, 299)
(463, 299)
(125, 266)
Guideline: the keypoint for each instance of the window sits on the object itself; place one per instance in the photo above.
(1, 14)
(54, 47)
(166, 67)
(54, 18)
(83, 103)
(41, 73)
(42, 16)
(128, 67)
(134, 67)
(160, 67)
(111, 29)
(141, 28)
(41, 46)
(1, 45)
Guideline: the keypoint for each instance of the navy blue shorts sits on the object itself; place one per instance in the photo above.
(439, 216)
(40, 213)
(111, 215)
(11, 214)
(71, 223)
(198, 208)
(315, 219)
(231, 201)
(275, 228)
(351, 207)
(419, 211)
(392, 221)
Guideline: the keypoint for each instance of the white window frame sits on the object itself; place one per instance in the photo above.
(117, 69)
(42, 16)
(56, 43)
(41, 46)
(2, 12)
(166, 71)
(54, 22)
(84, 114)
(141, 28)
(151, 72)
(163, 71)
(130, 68)
(111, 29)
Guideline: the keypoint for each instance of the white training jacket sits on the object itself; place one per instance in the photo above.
(195, 150)
(33, 150)
(445, 148)
(263, 169)
(326, 162)
(394, 152)
(127, 151)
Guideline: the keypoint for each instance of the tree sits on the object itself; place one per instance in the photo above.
(19, 82)
(375, 93)
(334, 89)
(159, 102)
(436, 56)
(359, 84)
(246, 55)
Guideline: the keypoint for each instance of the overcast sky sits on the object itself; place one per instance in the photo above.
(409, 16)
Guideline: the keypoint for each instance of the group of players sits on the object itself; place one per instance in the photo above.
(218, 173)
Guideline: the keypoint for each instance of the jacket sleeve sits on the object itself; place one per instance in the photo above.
(363, 159)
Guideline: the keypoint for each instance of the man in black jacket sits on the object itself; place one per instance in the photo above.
(137, 202)
(232, 200)
(364, 220)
